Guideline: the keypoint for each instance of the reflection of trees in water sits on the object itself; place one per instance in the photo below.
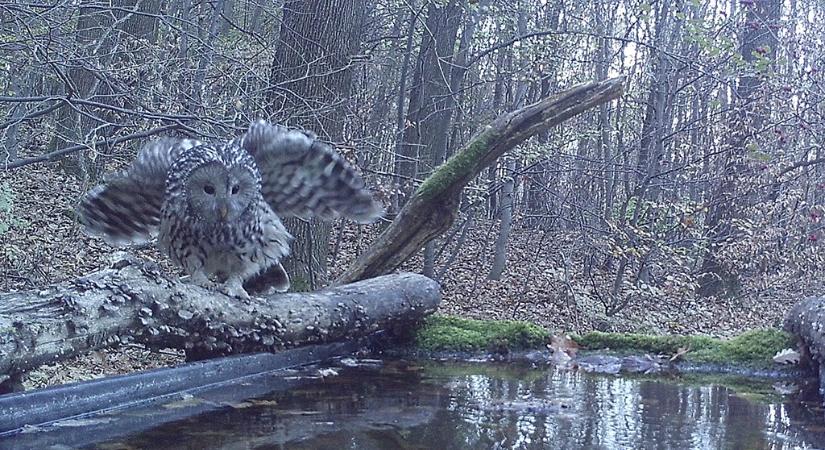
(612, 412)
(803, 418)
(476, 406)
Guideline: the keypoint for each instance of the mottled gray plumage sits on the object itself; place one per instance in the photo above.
(216, 208)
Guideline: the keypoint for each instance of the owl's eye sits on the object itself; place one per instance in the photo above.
(235, 189)
(209, 189)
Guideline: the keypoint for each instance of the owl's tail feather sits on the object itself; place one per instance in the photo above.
(122, 212)
(268, 281)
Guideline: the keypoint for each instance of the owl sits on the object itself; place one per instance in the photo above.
(216, 208)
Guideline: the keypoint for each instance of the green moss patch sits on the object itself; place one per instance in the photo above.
(446, 333)
(459, 165)
(756, 346)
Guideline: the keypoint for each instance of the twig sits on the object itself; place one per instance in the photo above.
(57, 154)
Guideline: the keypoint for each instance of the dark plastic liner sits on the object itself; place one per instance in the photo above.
(42, 407)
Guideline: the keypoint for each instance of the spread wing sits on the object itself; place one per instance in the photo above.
(302, 176)
(126, 208)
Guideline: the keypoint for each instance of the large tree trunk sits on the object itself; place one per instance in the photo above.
(432, 208)
(134, 301)
(757, 40)
(430, 105)
(102, 27)
(312, 72)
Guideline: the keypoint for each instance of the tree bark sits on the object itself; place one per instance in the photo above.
(207, 56)
(102, 27)
(401, 165)
(134, 301)
(500, 256)
(806, 320)
(757, 40)
(311, 75)
(432, 208)
(431, 101)
(508, 190)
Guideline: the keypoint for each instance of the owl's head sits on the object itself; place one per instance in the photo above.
(218, 194)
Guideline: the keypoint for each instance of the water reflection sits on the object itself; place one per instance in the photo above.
(459, 406)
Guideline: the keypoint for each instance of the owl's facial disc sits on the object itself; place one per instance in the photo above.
(219, 195)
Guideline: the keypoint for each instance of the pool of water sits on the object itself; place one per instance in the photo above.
(409, 405)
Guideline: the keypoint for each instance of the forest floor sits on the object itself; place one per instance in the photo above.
(45, 245)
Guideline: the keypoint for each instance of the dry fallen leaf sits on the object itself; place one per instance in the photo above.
(563, 344)
(680, 352)
(186, 401)
(83, 422)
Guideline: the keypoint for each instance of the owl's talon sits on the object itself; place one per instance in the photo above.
(234, 288)
(200, 279)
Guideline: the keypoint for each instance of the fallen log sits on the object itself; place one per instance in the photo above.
(806, 321)
(134, 302)
(433, 207)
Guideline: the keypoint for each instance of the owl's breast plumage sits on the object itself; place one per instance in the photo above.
(249, 245)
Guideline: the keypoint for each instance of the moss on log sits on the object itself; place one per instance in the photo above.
(755, 347)
(134, 301)
(432, 208)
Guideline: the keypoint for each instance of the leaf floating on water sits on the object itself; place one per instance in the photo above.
(30, 429)
(251, 403)
(641, 364)
(348, 362)
(186, 401)
(328, 372)
(83, 422)
(299, 412)
(563, 350)
(786, 356)
(600, 364)
(561, 359)
(264, 402)
(241, 405)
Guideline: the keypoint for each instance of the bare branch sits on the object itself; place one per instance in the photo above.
(57, 154)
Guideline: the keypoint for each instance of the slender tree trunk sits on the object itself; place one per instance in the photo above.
(508, 190)
(381, 99)
(401, 164)
(757, 40)
(20, 86)
(500, 256)
(100, 30)
(605, 144)
(431, 99)
(207, 55)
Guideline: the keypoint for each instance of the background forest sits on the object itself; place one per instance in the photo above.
(693, 203)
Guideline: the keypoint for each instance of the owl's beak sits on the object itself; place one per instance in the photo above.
(224, 212)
